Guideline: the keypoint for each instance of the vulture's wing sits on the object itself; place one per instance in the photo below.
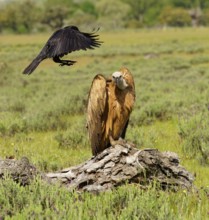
(95, 110)
(70, 39)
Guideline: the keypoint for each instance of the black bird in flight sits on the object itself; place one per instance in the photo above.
(62, 42)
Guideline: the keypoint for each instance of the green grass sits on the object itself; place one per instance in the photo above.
(42, 116)
(41, 201)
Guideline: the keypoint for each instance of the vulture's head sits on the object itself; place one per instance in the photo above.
(119, 79)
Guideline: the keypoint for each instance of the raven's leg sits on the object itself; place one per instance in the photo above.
(67, 62)
(63, 62)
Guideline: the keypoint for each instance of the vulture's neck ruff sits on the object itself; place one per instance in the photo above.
(119, 80)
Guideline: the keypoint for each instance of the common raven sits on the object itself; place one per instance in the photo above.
(62, 42)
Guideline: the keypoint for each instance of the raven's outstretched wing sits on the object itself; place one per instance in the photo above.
(70, 39)
(62, 42)
(97, 102)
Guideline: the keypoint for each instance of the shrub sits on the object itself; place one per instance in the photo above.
(75, 136)
(18, 106)
(2, 129)
(204, 19)
(69, 139)
(176, 17)
(194, 132)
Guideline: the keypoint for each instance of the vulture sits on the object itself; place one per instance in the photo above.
(110, 102)
(62, 42)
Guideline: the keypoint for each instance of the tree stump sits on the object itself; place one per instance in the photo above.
(123, 164)
(114, 167)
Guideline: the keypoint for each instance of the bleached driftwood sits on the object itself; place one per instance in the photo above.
(113, 167)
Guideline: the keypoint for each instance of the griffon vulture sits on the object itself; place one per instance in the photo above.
(62, 42)
(110, 103)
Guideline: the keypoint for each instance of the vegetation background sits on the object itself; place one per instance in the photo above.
(42, 116)
(26, 16)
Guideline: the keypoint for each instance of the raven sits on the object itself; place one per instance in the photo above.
(62, 42)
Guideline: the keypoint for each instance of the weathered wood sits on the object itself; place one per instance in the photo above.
(19, 170)
(120, 165)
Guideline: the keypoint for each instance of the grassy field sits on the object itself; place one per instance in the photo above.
(42, 116)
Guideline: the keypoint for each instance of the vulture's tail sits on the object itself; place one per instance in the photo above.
(29, 69)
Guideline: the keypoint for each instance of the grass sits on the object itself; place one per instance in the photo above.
(42, 116)
(128, 202)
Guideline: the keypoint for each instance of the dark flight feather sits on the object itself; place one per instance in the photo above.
(62, 42)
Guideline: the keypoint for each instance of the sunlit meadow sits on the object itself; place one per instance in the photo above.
(42, 116)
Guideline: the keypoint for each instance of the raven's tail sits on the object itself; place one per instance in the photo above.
(29, 69)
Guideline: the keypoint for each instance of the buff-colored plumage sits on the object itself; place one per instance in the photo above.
(108, 110)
